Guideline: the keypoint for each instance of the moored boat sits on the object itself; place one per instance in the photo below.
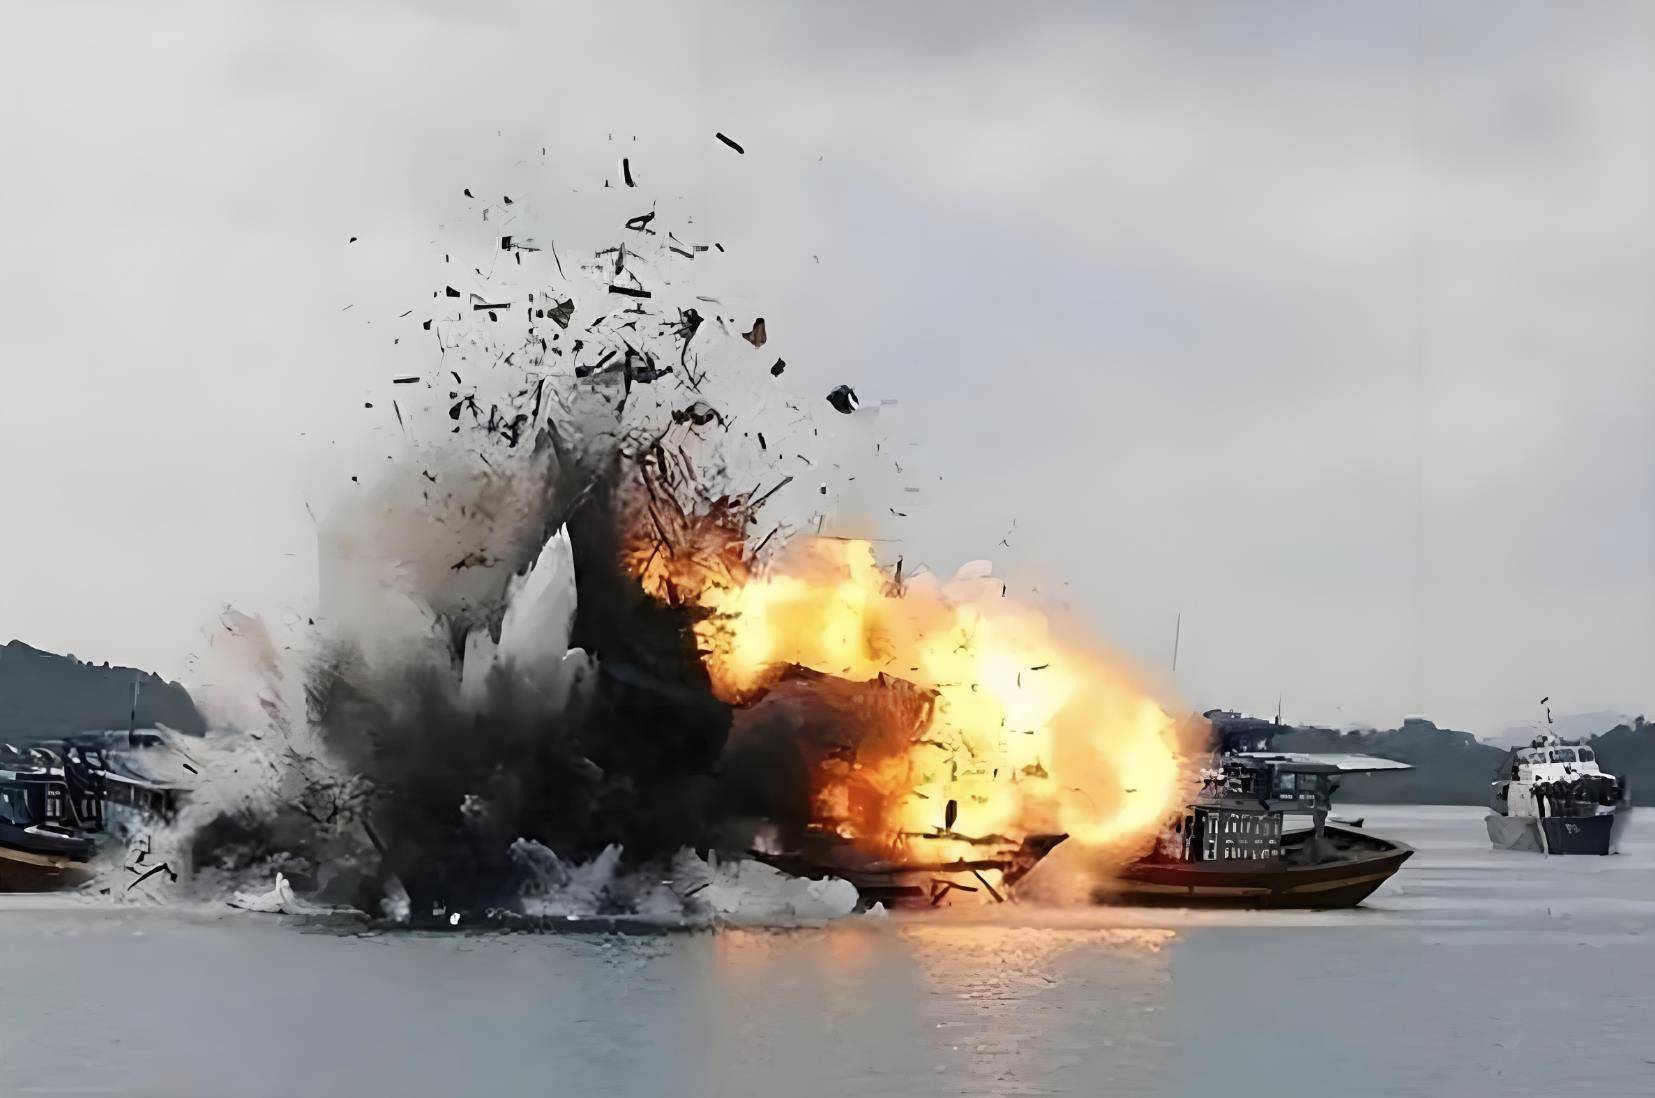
(1553, 798)
(1231, 846)
(49, 806)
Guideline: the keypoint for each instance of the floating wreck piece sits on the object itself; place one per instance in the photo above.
(1230, 846)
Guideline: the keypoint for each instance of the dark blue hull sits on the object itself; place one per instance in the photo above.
(1599, 834)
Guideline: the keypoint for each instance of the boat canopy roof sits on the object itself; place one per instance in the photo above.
(1296, 762)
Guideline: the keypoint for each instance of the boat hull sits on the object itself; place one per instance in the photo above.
(1336, 884)
(1600, 834)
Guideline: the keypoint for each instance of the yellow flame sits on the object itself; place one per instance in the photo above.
(1030, 733)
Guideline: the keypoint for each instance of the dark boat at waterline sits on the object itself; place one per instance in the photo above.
(1230, 847)
(1350, 867)
(48, 805)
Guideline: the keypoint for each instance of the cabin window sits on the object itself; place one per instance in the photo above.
(1563, 755)
(14, 807)
(1586, 755)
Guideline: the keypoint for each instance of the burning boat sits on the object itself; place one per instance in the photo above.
(1230, 846)
(824, 771)
(1552, 798)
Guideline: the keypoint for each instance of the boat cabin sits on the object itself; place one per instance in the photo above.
(1550, 761)
(40, 788)
(1239, 813)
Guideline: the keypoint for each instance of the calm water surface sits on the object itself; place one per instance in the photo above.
(1472, 972)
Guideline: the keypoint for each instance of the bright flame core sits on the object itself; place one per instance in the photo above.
(1028, 734)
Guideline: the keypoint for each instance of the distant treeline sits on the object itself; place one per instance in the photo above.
(46, 697)
(1449, 767)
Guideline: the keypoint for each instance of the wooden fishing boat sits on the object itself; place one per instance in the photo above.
(1230, 847)
(49, 804)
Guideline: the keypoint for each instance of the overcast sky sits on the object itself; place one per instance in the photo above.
(1327, 326)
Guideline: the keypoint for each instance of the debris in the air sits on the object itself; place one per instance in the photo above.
(629, 291)
(405, 379)
(756, 335)
(640, 224)
(730, 143)
(776, 370)
(352, 240)
(626, 172)
(700, 413)
(451, 291)
(843, 399)
(562, 313)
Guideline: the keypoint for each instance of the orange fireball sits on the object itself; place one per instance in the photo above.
(1029, 732)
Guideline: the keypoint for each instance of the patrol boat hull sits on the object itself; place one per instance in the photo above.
(1598, 834)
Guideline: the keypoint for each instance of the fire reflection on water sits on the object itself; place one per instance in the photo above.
(970, 1008)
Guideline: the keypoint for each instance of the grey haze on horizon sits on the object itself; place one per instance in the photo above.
(1326, 325)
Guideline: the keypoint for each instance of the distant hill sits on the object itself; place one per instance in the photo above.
(1449, 767)
(44, 696)
(1570, 726)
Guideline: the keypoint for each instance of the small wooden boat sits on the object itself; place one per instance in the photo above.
(1230, 846)
(48, 805)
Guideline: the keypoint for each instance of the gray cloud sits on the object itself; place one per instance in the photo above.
(1325, 325)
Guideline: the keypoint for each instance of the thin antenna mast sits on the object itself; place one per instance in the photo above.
(1177, 631)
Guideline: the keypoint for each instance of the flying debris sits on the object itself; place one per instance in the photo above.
(755, 335)
(843, 399)
(776, 370)
(700, 413)
(730, 143)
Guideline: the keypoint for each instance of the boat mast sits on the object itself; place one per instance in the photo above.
(132, 726)
(1177, 630)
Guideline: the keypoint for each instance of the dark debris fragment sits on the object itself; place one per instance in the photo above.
(843, 399)
(776, 370)
(700, 413)
(755, 335)
(730, 143)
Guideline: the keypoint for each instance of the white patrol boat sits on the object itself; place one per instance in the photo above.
(1551, 797)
